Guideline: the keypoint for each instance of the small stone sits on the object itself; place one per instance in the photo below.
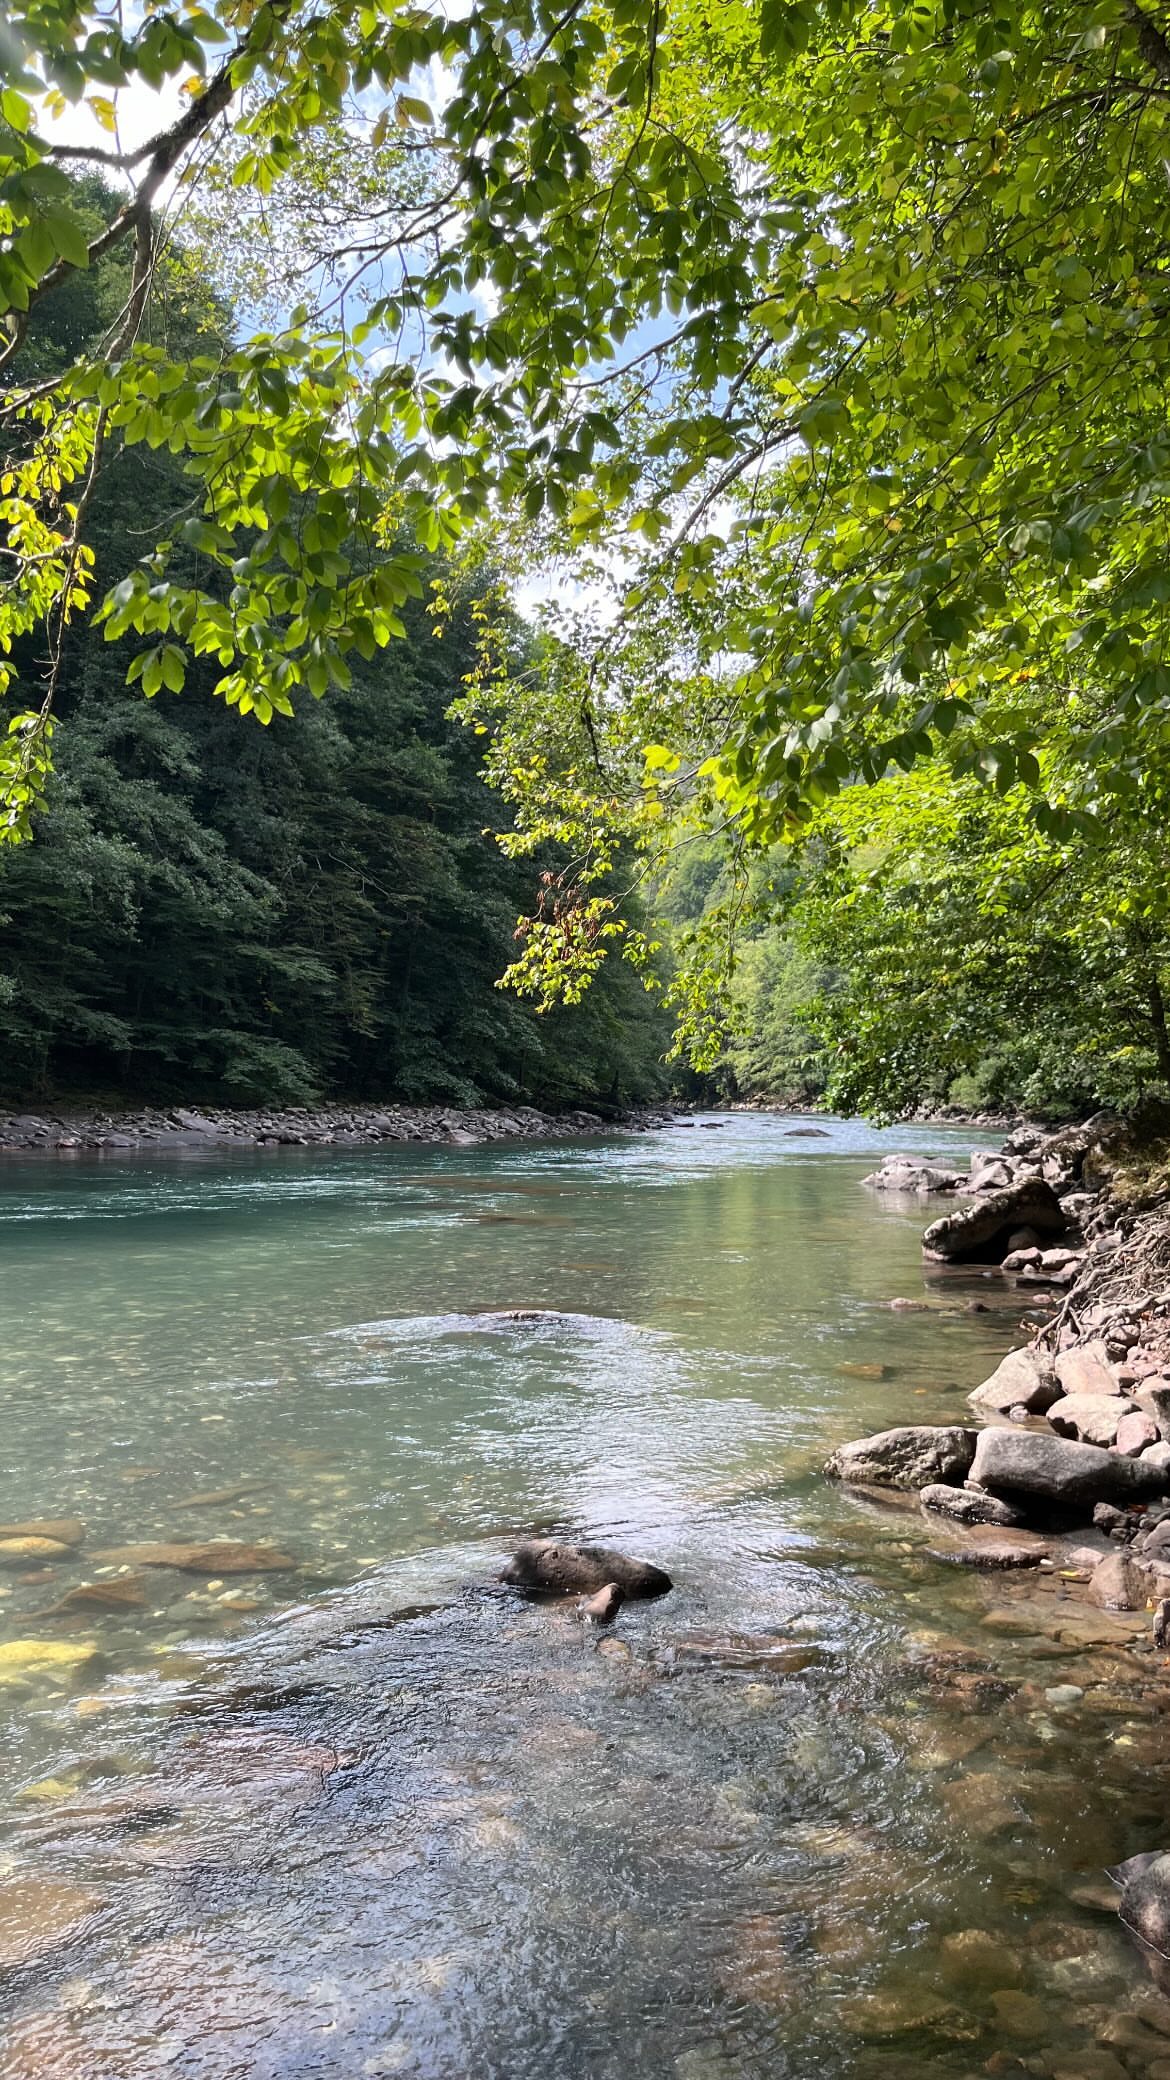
(24, 1660)
(894, 2012)
(1020, 2014)
(1064, 1694)
(120, 1592)
(17, 1552)
(975, 1958)
(982, 1804)
(1118, 1585)
(1125, 2032)
(66, 1531)
(603, 1606)
(1136, 1433)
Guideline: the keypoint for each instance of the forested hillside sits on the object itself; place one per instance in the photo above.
(318, 908)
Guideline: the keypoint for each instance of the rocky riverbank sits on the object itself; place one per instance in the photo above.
(154, 1129)
(1069, 1465)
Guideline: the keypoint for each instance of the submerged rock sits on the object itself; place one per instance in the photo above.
(983, 1231)
(982, 1803)
(25, 1552)
(917, 1455)
(1050, 1469)
(1001, 1549)
(974, 1958)
(40, 1914)
(970, 1506)
(25, 1660)
(1024, 1379)
(552, 1569)
(120, 1592)
(215, 1556)
(66, 1531)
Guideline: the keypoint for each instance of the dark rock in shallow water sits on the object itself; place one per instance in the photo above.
(914, 1456)
(1051, 1470)
(1144, 1882)
(553, 1569)
(980, 1233)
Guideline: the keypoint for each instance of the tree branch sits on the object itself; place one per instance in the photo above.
(1151, 40)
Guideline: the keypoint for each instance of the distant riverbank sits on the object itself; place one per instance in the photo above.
(162, 1128)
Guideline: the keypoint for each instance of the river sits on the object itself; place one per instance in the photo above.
(827, 1809)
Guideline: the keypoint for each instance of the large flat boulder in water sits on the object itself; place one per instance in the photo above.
(981, 1232)
(911, 1174)
(553, 1569)
(1024, 1379)
(914, 1456)
(1050, 1469)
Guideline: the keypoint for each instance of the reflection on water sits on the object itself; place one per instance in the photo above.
(830, 1808)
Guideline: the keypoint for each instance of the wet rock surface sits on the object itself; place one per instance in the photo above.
(547, 1567)
(970, 1506)
(912, 1456)
(983, 1231)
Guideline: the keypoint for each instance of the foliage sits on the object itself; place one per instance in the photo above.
(276, 915)
(834, 329)
(975, 959)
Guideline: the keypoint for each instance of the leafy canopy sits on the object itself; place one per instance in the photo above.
(837, 328)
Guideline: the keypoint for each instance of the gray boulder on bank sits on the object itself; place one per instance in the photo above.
(1085, 1370)
(549, 1568)
(1153, 1398)
(1025, 1379)
(915, 1456)
(983, 1231)
(1093, 1418)
(1024, 1463)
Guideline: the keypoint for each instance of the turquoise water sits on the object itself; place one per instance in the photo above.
(364, 1812)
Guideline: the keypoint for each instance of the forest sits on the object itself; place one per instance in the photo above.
(577, 553)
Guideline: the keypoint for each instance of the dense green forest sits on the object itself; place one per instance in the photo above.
(319, 908)
(825, 340)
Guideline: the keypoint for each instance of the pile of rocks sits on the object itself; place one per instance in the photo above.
(1034, 1208)
(1078, 1421)
(300, 1126)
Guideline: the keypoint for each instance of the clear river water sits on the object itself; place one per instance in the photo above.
(833, 1807)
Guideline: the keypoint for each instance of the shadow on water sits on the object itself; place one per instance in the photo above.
(830, 1808)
